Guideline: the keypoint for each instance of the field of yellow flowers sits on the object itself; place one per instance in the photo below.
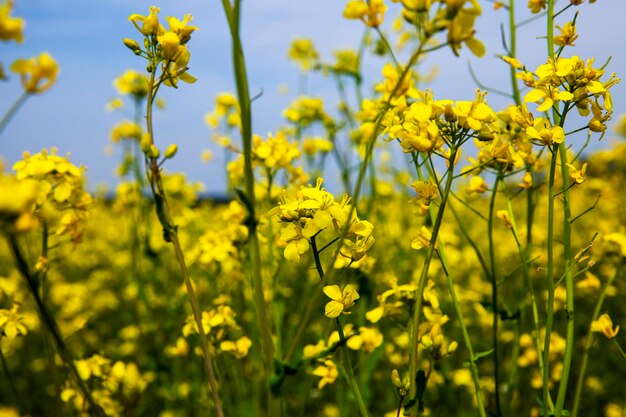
(460, 259)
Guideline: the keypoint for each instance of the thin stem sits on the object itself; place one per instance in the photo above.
(494, 292)
(171, 234)
(267, 345)
(512, 51)
(464, 331)
(547, 400)
(51, 324)
(348, 365)
(619, 348)
(13, 110)
(413, 346)
(589, 342)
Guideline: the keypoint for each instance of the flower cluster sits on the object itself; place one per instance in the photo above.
(114, 385)
(219, 324)
(572, 82)
(167, 47)
(314, 210)
(62, 190)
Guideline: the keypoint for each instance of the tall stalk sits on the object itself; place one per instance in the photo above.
(170, 232)
(232, 13)
(494, 292)
(414, 336)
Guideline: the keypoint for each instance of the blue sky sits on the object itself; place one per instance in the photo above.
(85, 37)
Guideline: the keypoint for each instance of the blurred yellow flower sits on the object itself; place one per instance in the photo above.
(38, 74)
(10, 27)
(604, 325)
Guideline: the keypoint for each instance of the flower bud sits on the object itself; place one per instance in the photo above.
(171, 151)
(154, 152)
(146, 142)
(132, 45)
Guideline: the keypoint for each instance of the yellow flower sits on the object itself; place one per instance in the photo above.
(10, 27)
(170, 42)
(11, 323)
(150, 23)
(544, 133)
(341, 299)
(371, 13)
(515, 63)
(133, 83)
(303, 52)
(604, 325)
(239, 348)
(578, 176)
(568, 35)
(38, 74)
(422, 240)
(477, 185)
(328, 372)
(180, 28)
(536, 6)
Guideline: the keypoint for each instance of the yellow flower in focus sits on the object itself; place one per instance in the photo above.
(604, 325)
(38, 74)
(150, 23)
(10, 27)
(568, 35)
(180, 28)
(544, 133)
(577, 175)
(170, 42)
(341, 299)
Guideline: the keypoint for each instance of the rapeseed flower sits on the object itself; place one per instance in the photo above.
(341, 299)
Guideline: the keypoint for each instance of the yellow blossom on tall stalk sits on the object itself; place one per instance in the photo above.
(574, 83)
(314, 210)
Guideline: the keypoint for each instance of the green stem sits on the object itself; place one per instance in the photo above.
(589, 342)
(547, 400)
(171, 234)
(453, 295)
(348, 365)
(569, 283)
(243, 95)
(619, 348)
(50, 323)
(13, 110)
(464, 332)
(413, 346)
(494, 292)
(512, 51)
